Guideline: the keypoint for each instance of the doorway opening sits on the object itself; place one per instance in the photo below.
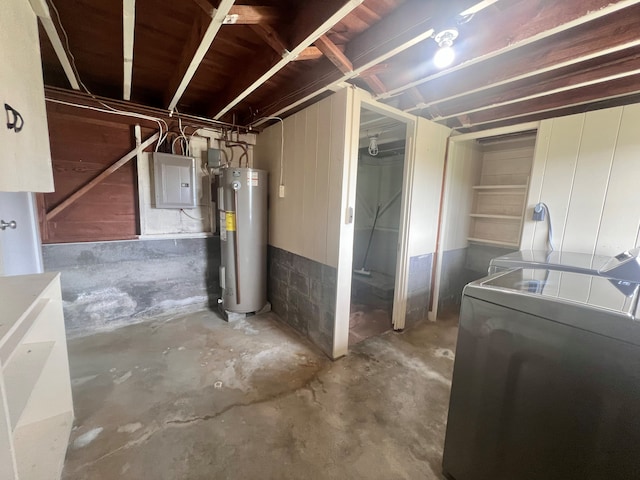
(378, 212)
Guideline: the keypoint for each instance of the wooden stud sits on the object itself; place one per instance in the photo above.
(128, 28)
(334, 54)
(87, 187)
(201, 38)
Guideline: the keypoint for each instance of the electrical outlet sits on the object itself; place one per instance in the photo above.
(281, 191)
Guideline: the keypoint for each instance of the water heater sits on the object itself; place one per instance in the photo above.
(242, 206)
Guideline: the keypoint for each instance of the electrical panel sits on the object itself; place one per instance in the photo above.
(174, 180)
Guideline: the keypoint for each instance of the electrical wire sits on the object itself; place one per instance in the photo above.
(550, 227)
(191, 217)
(159, 121)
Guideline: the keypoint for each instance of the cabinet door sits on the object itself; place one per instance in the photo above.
(25, 158)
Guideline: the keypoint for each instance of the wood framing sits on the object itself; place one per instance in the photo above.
(41, 9)
(128, 29)
(334, 54)
(202, 36)
(87, 187)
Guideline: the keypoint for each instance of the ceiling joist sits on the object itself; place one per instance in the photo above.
(601, 37)
(334, 54)
(128, 30)
(202, 36)
(516, 27)
(303, 43)
(41, 9)
(415, 20)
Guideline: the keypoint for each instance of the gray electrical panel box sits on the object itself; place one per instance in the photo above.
(174, 180)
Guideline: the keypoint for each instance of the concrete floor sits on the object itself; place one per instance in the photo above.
(196, 398)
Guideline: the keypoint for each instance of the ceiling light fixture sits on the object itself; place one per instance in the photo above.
(373, 145)
(445, 54)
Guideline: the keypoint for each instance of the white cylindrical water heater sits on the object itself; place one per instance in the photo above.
(242, 206)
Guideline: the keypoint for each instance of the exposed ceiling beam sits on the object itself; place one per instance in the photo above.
(375, 84)
(202, 36)
(597, 71)
(128, 31)
(518, 25)
(603, 36)
(620, 87)
(334, 54)
(253, 15)
(206, 7)
(41, 9)
(301, 44)
(309, 53)
(271, 37)
(570, 110)
(415, 20)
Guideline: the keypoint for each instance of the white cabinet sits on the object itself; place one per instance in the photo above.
(25, 157)
(36, 410)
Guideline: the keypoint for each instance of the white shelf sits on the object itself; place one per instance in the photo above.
(493, 242)
(500, 217)
(44, 462)
(499, 187)
(36, 408)
(21, 375)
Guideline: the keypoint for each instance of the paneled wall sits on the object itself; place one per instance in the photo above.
(586, 169)
(306, 220)
(430, 147)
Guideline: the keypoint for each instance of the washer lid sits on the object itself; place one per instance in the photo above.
(585, 301)
(556, 260)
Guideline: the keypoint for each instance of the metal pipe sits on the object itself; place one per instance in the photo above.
(235, 245)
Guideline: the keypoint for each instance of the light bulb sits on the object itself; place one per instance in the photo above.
(444, 57)
(373, 146)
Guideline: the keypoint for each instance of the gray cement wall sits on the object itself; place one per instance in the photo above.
(106, 285)
(303, 294)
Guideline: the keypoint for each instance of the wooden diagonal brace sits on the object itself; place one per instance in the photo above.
(85, 188)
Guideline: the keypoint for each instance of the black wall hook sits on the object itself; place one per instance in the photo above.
(15, 121)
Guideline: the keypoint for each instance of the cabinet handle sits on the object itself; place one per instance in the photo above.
(15, 121)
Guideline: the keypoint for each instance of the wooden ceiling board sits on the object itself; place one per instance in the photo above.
(94, 30)
(233, 56)
(514, 57)
(161, 30)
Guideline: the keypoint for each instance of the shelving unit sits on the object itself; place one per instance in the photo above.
(499, 198)
(35, 389)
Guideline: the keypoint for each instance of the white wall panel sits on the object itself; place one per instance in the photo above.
(463, 166)
(588, 177)
(307, 220)
(430, 147)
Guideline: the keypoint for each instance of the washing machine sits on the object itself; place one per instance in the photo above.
(546, 381)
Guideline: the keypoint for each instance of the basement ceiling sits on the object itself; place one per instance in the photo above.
(516, 60)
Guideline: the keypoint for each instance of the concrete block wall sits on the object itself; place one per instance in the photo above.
(302, 293)
(419, 288)
(106, 285)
